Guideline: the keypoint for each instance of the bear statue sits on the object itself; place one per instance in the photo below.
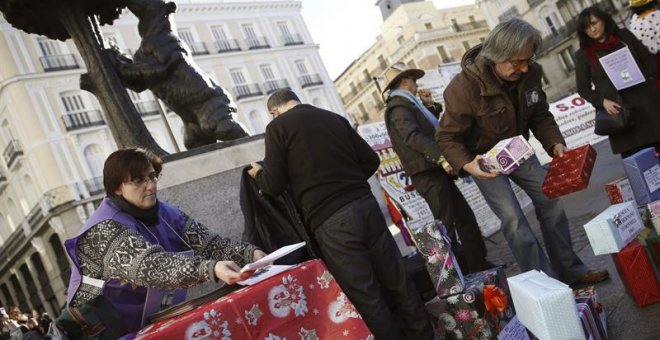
(164, 65)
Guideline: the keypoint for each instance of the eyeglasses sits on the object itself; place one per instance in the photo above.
(591, 24)
(518, 63)
(140, 181)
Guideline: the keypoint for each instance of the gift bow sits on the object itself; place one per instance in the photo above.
(496, 300)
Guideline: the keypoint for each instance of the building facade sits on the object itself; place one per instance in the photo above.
(556, 20)
(415, 33)
(54, 137)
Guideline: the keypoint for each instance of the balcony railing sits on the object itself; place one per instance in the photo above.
(310, 80)
(470, 26)
(12, 151)
(94, 185)
(247, 90)
(274, 85)
(292, 39)
(559, 35)
(59, 62)
(257, 43)
(147, 108)
(198, 48)
(229, 45)
(79, 120)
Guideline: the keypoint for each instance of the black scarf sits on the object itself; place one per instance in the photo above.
(148, 217)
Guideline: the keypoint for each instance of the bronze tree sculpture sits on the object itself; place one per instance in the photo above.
(80, 20)
(164, 64)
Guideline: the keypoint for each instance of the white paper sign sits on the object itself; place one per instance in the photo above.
(622, 69)
(270, 258)
(513, 330)
(652, 178)
(264, 273)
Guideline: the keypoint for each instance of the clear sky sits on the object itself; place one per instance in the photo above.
(346, 28)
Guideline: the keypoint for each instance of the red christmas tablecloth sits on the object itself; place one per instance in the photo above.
(304, 302)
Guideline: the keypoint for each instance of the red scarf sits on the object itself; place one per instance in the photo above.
(612, 42)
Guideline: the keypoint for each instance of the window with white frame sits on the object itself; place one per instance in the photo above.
(237, 76)
(94, 157)
(267, 72)
(567, 60)
(301, 66)
(252, 38)
(79, 112)
(55, 55)
(223, 42)
(196, 47)
(144, 103)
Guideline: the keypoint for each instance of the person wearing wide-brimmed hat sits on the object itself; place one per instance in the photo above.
(411, 123)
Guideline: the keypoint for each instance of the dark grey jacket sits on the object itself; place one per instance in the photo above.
(412, 135)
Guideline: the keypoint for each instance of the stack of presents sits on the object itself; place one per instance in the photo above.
(487, 305)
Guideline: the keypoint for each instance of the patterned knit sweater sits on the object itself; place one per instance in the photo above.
(110, 251)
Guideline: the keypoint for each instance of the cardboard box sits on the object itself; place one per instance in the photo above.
(545, 306)
(614, 228)
(637, 274)
(619, 191)
(643, 171)
(507, 155)
(569, 173)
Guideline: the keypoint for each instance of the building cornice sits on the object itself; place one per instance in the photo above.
(54, 78)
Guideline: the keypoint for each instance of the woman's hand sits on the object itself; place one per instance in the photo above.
(229, 272)
(258, 254)
(611, 106)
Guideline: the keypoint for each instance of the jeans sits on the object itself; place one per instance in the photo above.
(362, 255)
(563, 263)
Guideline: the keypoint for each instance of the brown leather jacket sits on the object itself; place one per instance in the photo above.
(479, 113)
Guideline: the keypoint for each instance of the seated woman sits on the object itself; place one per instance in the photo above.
(132, 240)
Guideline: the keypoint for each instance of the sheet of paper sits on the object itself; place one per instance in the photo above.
(264, 273)
(268, 259)
(622, 69)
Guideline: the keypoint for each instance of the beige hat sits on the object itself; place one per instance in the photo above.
(637, 3)
(398, 71)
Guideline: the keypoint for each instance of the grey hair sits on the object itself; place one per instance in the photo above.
(281, 97)
(508, 39)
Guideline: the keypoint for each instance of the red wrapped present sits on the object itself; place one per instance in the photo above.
(569, 173)
(619, 191)
(304, 302)
(637, 274)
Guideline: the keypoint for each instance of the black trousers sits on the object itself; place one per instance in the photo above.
(449, 206)
(362, 255)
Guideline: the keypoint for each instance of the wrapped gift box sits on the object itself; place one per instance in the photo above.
(634, 267)
(643, 171)
(569, 173)
(459, 316)
(612, 229)
(545, 306)
(654, 210)
(434, 245)
(514, 330)
(592, 315)
(507, 155)
(619, 191)
(493, 293)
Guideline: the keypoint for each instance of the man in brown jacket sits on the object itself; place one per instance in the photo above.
(498, 95)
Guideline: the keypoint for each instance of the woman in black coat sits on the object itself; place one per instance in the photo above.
(599, 35)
